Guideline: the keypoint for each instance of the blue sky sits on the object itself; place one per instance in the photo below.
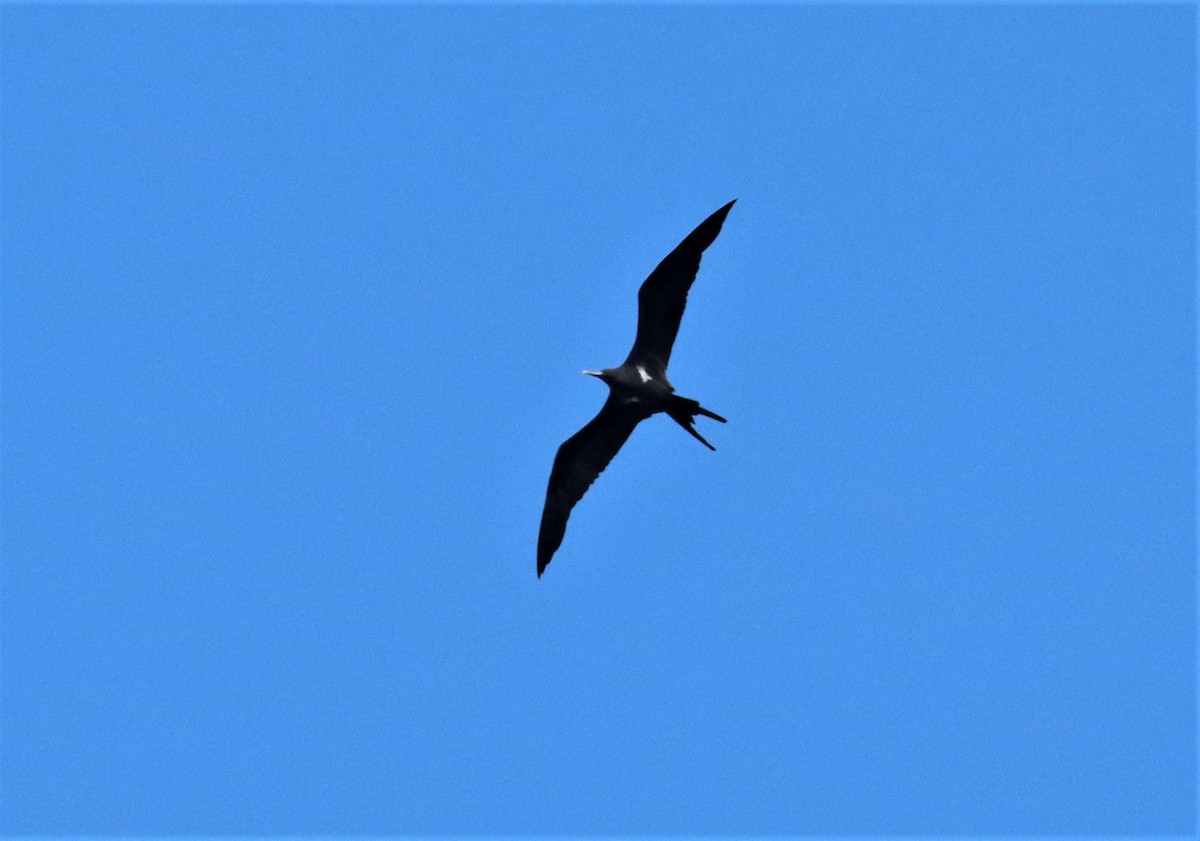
(294, 305)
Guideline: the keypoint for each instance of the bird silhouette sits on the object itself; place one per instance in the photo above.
(638, 388)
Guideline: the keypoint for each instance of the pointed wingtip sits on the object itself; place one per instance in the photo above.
(718, 216)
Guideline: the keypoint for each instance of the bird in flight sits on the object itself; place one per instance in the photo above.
(636, 390)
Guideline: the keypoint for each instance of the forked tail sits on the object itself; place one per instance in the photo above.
(684, 410)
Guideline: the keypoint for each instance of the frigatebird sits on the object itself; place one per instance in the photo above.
(637, 389)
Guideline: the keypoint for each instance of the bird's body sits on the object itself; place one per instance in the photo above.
(638, 388)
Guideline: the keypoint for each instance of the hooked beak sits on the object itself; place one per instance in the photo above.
(594, 374)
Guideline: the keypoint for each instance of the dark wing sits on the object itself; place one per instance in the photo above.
(664, 295)
(580, 460)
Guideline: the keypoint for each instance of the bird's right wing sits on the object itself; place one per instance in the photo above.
(580, 459)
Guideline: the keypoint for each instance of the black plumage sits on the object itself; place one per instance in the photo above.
(637, 389)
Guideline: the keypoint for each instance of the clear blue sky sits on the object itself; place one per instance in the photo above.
(295, 301)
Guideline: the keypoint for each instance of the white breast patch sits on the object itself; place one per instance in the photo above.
(642, 373)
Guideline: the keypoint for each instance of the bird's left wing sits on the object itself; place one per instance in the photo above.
(663, 295)
(580, 459)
